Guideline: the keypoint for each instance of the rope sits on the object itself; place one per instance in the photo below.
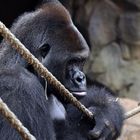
(13, 120)
(16, 44)
(132, 113)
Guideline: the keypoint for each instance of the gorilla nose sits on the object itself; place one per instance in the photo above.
(79, 78)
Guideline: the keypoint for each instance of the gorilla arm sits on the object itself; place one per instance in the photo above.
(25, 96)
(107, 111)
(107, 122)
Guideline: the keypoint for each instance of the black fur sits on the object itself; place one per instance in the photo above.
(25, 96)
(104, 107)
(51, 36)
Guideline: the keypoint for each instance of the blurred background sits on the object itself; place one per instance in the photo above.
(112, 30)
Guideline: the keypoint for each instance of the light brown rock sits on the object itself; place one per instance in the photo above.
(129, 28)
(109, 67)
(102, 24)
(131, 129)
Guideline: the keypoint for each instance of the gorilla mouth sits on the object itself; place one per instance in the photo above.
(79, 93)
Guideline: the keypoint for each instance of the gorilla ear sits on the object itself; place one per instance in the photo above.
(44, 50)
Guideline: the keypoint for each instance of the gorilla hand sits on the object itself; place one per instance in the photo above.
(105, 126)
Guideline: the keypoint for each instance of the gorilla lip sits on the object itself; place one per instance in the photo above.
(78, 93)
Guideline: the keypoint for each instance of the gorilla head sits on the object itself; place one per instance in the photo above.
(52, 37)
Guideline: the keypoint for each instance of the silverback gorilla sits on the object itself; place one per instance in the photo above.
(52, 37)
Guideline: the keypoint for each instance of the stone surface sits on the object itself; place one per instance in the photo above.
(129, 28)
(131, 129)
(102, 23)
(112, 69)
(135, 3)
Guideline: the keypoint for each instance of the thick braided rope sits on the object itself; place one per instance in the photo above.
(11, 117)
(16, 44)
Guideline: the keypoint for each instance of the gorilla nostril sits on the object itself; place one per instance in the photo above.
(77, 77)
(80, 79)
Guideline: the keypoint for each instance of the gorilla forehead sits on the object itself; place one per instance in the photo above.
(48, 15)
(55, 13)
(62, 30)
(51, 24)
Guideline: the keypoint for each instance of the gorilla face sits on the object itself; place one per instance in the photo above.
(64, 51)
(55, 41)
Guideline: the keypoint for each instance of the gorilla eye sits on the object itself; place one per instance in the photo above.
(77, 61)
(44, 50)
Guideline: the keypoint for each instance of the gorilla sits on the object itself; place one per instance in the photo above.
(50, 35)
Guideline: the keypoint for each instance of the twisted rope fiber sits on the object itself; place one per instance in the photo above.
(10, 116)
(132, 113)
(16, 44)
